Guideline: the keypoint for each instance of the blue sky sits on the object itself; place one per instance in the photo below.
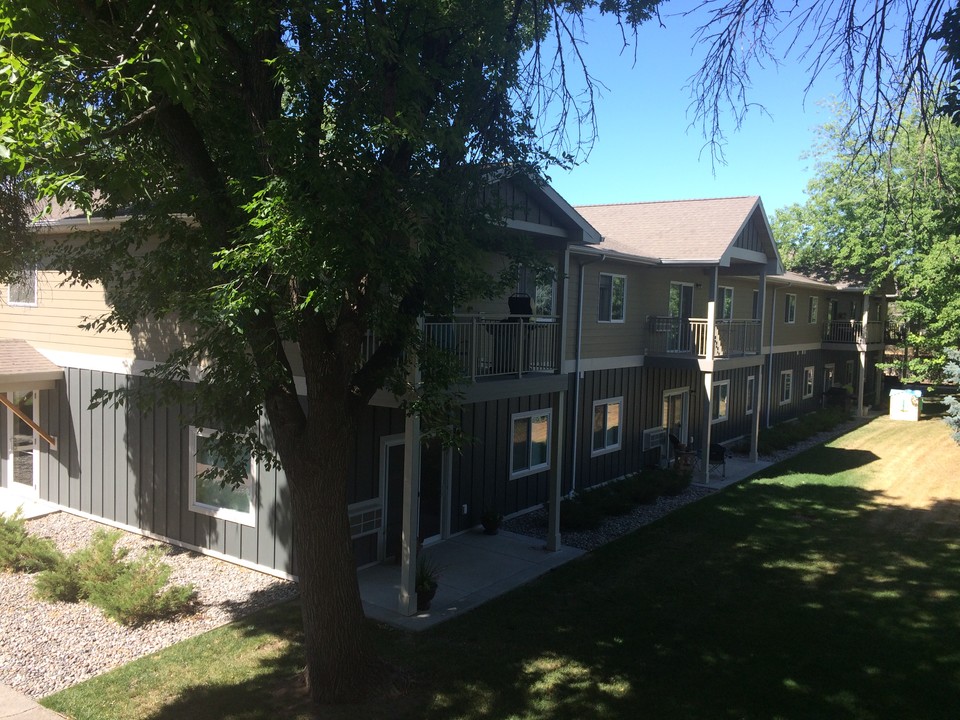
(647, 150)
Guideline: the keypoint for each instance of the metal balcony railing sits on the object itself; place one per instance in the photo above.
(731, 338)
(490, 346)
(853, 332)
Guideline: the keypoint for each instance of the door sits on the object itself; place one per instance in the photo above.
(23, 446)
(681, 310)
(676, 405)
(434, 471)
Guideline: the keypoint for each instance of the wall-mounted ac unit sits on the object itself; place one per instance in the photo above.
(654, 438)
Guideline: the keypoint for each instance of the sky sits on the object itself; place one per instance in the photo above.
(647, 149)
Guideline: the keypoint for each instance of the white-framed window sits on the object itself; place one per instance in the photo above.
(751, 391)
(23, 290)
(790, 308)
(755, 306)
(786, 386)
(207, 496)
(607, 419)
(613, 298)
(531, 443)
(808, 382)
(812, 311)
(725, 303)
(542, 291)
(721, 401)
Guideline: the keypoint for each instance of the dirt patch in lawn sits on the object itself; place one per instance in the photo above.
(918, 464)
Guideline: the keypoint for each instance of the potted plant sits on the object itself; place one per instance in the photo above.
(426, 585)
(491, 521)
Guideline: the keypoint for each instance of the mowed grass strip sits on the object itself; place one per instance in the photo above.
(826, 587)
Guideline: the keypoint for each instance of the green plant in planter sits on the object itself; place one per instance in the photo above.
(491, 521)
(426, 582)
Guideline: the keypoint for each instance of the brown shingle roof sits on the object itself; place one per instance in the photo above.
(23, 368)
(677, 230)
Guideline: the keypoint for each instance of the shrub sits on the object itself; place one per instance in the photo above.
(643, 487)
(673, 481)
(22, 552)
(131, 593)
(576, 514)
(72, 578)
(137, 595)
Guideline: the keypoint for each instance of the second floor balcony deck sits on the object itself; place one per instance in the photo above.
(498, 347)
(732, 337)
(854, 332)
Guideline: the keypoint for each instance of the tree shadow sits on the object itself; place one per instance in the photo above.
(769, 601)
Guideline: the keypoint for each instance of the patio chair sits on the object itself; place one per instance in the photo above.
(717, 458)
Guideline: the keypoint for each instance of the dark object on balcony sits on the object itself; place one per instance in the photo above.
(718, 458)
(520, 304)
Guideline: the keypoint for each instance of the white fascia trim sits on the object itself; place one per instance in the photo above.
(604, 363)
(800, 347)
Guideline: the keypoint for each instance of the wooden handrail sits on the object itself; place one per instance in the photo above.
(5, 401)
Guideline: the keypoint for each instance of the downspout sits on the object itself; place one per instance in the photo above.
(773, 324)
(576, 385)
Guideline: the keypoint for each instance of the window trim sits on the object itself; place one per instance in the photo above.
(715, 417)
(606, 402)
(721, 297)
(788, 376)
(750, 399)
(790, 308)
(813, 311)
(809, 381)
(526, 277)
(29, 272)
(531, 469)
(623, 305)
(248, 518)
(829, 370)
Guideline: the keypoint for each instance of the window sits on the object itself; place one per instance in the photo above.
(542, 290)
(755, 308)
(808, 382)
(606, 425)
(613, 295)
(721, 401)
(786, 386)
(23, 291)
(751, 389)
(851, 375)
(207, 496)
(725, 303)
(790, 308)
(812, 312)
(531, 443)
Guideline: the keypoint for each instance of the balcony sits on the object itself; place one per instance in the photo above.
(498, 346)
(732, 338)
(853, 332)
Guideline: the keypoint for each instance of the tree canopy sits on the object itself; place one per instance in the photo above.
(890, 222)
(292, 173)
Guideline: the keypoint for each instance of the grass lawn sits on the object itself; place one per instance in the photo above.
(826, 587)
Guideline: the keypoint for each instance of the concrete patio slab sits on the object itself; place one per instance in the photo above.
(15, 705)
(474, 568)
(30, 508)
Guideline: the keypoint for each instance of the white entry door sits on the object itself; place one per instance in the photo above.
(23, 446)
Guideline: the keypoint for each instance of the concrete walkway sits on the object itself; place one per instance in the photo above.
(10, 501)
(17, 706)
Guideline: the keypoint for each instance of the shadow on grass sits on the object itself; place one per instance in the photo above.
(766, 601)
(823, 461)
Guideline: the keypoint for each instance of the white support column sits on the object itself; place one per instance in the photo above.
(556, 474)
(755, 421)
(706, 424)
(411, 516)
(862, 351)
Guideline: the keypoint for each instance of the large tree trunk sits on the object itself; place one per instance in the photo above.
(339, 664)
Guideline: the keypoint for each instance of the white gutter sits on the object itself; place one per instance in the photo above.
(576, 386)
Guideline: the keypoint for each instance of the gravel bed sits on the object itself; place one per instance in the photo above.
(46, 647)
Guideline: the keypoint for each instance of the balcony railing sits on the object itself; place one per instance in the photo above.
(853, 332)
(491, 346)
(732, 338)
